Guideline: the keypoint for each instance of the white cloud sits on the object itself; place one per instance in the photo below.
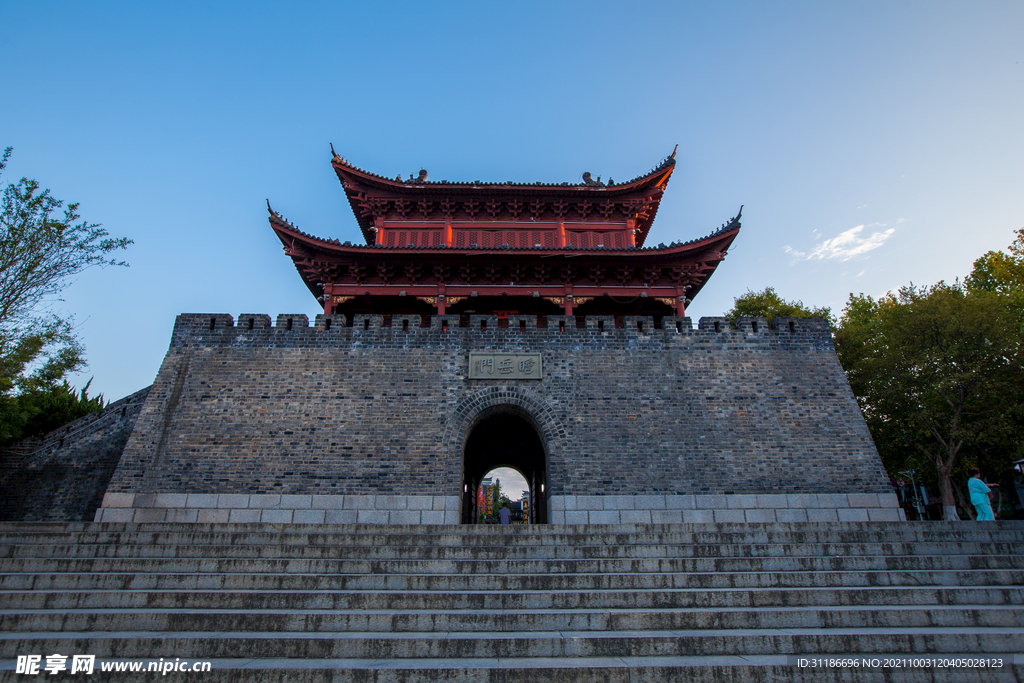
(845, 245)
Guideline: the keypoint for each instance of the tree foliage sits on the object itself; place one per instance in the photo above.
(43, 245)
(937, 372)
(768, 304)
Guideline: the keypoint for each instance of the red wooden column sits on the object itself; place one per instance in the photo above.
(680, 302)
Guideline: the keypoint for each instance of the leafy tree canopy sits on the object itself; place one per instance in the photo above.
(768, 304)
(937, 373)
(43, 245)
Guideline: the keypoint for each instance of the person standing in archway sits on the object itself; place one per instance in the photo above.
(505, 516)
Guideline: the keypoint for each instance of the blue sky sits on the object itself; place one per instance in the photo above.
(873, 144)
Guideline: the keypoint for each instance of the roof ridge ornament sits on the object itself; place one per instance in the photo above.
(335, 157)
(589, 180)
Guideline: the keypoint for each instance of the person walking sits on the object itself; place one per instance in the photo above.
(979, 495)
(505, 515)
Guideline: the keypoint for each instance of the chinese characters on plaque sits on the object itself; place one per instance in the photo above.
(505, 366)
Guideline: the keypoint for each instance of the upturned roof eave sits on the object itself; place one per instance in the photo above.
(287, 232)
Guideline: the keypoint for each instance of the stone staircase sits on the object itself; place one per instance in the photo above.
(708, 602)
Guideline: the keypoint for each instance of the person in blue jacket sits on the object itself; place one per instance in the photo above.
(979, 495)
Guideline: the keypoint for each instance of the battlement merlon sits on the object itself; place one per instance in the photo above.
(293, 329)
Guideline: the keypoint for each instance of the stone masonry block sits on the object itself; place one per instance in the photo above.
(150, 514)
(557, 503)
(772, 501)
(437, 503)
(760, 515)
(727, 516)
(571, 502)
(361, 502)
(713, 502)
(451, 504)
(404, 516)
(451, 517)
(432, 517)
(741, 501)
(680, 502)
(170, 500)
(213, 516)
(419, 502)
(862, 500)
(589, 503)
(557, 517)
(265, 501)
(618, 502)
(577, 517)
(604, 517)
(341, 516)
(327, 502)
(790, 515)
(390, 502)
(244, 516)
(888, 500)
(182, 515)
(118, 500)
(296, 502)
(117, 514)
(884, 514)
(201, 500)
(852, 514)
(309, 516)
(144, 500)
(646, 502)
(635, 517)
(833, 500)
(822, 515)
(372, 517)
(233, 500)
(802, 500)
(667, 516)
(698, 516)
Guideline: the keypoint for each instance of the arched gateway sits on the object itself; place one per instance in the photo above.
(504, 436)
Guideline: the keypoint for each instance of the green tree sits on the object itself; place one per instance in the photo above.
(1000, 272)
(937, 373)
(43, 245)
(768, 304)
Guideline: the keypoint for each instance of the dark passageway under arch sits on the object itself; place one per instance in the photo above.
(504, 438)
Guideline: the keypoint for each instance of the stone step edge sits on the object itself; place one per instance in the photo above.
(565, 634)
(191, 611)
(504, 591)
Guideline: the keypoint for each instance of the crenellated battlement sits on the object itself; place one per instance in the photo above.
(294, 329)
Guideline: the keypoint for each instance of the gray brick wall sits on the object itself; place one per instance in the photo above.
(371, 410)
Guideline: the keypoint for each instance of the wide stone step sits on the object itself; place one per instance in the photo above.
(719, 669)
(504, 600)
(51, 581)
(491, 621)
(503, 553)
(519, 567)
(381, 645)
(463, 536)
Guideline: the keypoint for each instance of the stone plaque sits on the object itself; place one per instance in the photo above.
(505, 366)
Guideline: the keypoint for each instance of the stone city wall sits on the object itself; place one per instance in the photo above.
(752, 423)
(63, 476)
